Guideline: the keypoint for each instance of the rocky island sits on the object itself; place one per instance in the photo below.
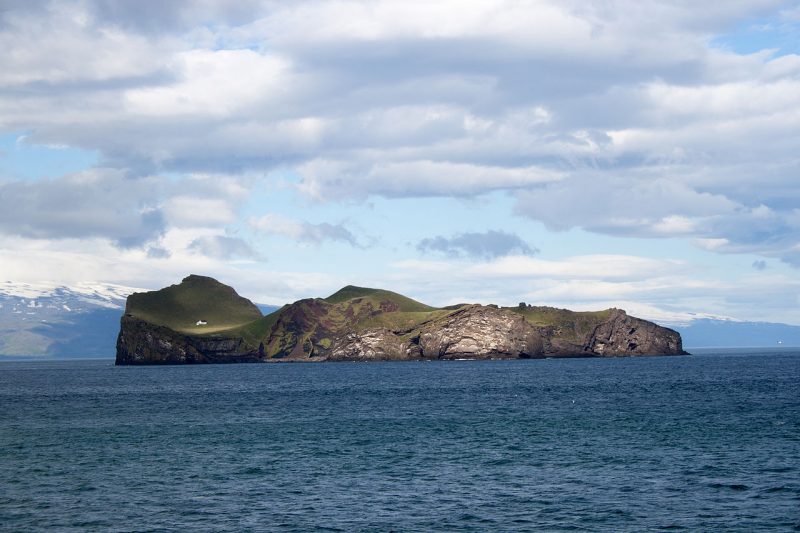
(202, 320)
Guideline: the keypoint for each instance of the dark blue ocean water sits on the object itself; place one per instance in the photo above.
(704, 442)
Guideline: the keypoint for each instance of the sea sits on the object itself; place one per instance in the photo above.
(706, 442)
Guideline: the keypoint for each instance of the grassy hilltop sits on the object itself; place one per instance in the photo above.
(196, 298)
(310, 324)
(307, 328)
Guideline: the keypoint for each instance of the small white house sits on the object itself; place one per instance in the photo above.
(200, 323)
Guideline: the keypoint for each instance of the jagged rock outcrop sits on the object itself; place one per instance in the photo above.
(477, 331)
(487, 332)
(358, 324)
(372, 345)
(471, 332)
(626, 335)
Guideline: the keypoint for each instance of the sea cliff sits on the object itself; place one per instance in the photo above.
(204, 321)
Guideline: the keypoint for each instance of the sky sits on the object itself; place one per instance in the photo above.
(623, 153)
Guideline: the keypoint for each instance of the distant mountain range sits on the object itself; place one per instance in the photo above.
(83, 321)
(63, 322)
(46, 320)
(716, 333)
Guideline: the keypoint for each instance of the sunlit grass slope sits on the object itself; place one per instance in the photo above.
(196, 298)
(310, 325)
(376, 296)
(572, 324)
(317, 320)
(397, 311)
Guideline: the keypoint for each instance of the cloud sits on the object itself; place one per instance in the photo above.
(108, 203)
(589, 267)
(274, 224)
(171, 15)
(637, 205)
(640, 206)
(94, 203)
(65, 51)
(327, 179)
(486, 245)
(653, 288)
(156, 252)
(194, 211)
(759, 264)
(620, 118)
(74, 261)
(210, 85)
(222, 247)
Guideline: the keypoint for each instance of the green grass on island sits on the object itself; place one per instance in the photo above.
(198, 305)
(573, 324)
(203, 306)
(376, 297)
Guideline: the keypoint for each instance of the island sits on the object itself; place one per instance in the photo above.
(202, 320)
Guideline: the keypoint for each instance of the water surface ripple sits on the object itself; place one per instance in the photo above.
(693, 443)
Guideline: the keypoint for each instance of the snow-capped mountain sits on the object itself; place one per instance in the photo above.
(54, 320)
(45, 319)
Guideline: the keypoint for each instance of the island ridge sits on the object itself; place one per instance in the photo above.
(202, 320)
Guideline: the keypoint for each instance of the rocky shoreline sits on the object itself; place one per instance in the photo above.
(377, 325)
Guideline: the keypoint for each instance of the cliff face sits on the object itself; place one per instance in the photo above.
(487, 332)
(186, 323)
(627, 335)
(378, 325)
(143, 343)
(470, 332)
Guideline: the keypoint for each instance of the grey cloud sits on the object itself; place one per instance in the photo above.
(328, 232)
(57, 55)
(770, 233)
(636, 204)
(96, 203)
(333, 84)
(412, 110)
(107, 203)
(157, 252)
(223, 247)
(336, 179)
(487, 245)
(759, 264)
(151, 17)
(633, 204)
(302, 231)
(145, 17)
(336, 85)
